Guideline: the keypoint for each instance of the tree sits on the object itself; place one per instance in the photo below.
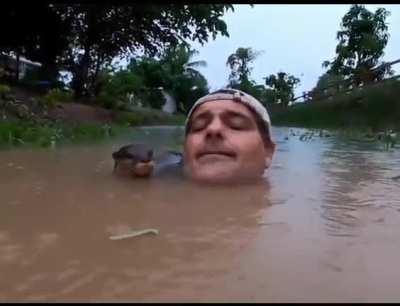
(328, 84)
(283, 84)
(53, 33)
(142, 77)
(38, 33)
(85, 38)
(239, 78)
(174, 72)
(239, 63)
(102, 32)
(178, 59)
(184, 82)
(15, 42)
(188, 90)
(260, 92)
(362, 39)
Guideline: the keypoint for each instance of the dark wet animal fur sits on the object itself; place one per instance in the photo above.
(136, 152)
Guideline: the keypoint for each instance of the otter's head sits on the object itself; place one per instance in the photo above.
(135, 160)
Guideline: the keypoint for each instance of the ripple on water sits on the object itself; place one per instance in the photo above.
(52, 246)
(358, 182)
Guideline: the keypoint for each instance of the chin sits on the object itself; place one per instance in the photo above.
(143, 169)
(213, 180)
(214, 177)
(222, 180)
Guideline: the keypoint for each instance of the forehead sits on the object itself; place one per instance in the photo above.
(222, 106)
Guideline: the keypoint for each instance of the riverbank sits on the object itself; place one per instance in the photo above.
(29, 120)
(374, 108)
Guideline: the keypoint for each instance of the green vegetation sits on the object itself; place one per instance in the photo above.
(351, 93)
(278, 88)
(84, 40)
(362, 39)
(283, 85)
(29, 124)
(55, 96)
(147, 116)
(239, 63)
(5, 91)
(51, 134)
(376, 106)
(145, 79)
(22, 133)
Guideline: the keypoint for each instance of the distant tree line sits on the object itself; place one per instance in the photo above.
(362, 37)
(84, 39)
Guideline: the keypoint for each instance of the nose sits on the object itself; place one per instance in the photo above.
(215, 128)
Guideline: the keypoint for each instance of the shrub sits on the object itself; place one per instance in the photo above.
(50, 134)
(55, 96)
(129, 118)
(5, 90)
(376, 106)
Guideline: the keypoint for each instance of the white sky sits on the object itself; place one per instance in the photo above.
(295, 39)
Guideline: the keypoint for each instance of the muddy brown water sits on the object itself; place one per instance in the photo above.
(325, 226)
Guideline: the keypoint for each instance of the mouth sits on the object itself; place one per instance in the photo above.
(216, 153)
(143, 169)
(145, 161)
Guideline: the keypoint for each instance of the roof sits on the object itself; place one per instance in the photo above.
(23, 60)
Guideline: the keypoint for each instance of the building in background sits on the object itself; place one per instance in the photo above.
(9, 65)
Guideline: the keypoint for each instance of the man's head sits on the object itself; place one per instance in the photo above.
(227, 138)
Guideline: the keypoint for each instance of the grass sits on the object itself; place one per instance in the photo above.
(147, 116)
(22, 133)
(52, 134)
(19, 132)
(36, 131)
(374, 107)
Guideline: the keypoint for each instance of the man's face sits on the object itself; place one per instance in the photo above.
(224, 144)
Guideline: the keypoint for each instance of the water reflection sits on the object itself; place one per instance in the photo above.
(356, 182)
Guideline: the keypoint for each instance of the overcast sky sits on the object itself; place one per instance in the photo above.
(295, 39)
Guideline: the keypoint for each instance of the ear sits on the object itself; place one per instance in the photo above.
(268, 161)
(269, 153)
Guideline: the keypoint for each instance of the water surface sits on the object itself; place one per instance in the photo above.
(323, 227)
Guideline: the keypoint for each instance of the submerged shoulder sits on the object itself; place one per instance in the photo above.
(169, 164)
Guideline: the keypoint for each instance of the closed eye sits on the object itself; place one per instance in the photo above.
(237, 122)
(200, 122)
(198, 125)
(232, 120)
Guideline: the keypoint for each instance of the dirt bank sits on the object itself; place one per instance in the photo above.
(80, 113)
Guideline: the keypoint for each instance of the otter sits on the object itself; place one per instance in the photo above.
(134, 159)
